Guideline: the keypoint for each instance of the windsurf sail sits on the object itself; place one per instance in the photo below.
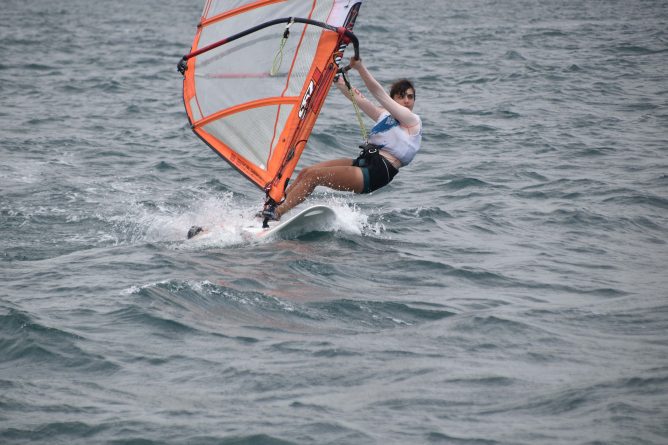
(257, 76)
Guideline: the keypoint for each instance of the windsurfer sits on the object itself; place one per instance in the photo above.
(393, 142)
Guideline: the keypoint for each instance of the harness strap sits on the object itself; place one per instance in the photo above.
(369, 150)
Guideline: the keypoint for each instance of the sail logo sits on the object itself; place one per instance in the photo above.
(306, 99)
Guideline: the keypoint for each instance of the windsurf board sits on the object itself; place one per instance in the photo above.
(318, 217)
(314, 218)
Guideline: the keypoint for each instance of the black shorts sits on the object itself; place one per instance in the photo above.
(377, 171)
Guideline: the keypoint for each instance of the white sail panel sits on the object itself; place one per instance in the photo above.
(250, 140)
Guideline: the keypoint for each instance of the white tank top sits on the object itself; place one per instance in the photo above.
(388, 133)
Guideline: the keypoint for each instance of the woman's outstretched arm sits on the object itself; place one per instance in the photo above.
(405, 116)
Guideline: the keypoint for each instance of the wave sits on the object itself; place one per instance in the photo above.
(35, 348)
(175, 308)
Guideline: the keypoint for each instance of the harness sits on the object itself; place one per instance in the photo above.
(370, 155)
(369, 150)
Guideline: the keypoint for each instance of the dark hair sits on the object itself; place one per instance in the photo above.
(400, 87)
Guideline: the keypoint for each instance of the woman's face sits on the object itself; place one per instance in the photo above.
(406, 99)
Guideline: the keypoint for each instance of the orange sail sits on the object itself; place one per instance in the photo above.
(257, 76)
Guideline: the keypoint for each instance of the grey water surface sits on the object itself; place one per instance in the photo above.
(509, 287)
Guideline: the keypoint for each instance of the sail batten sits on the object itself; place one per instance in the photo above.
(255, 113)
(282, 100)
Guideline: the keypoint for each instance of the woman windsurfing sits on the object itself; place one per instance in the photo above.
(393, 142)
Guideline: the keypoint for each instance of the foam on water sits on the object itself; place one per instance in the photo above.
(225, 216)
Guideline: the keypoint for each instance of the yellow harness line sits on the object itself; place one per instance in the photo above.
(278, 58)
(360, 121)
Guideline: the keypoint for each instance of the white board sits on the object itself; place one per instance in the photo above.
(314, 218)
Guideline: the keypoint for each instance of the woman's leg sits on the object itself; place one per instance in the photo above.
(345, 162)
(338, 174)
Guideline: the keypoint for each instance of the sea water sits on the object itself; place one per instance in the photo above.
(508, 287)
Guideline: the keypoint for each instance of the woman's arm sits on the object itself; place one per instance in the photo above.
(405, 116)
(365, 104)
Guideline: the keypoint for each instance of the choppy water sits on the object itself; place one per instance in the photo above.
(509, 287)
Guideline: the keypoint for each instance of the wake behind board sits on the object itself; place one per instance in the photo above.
(314, 218)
